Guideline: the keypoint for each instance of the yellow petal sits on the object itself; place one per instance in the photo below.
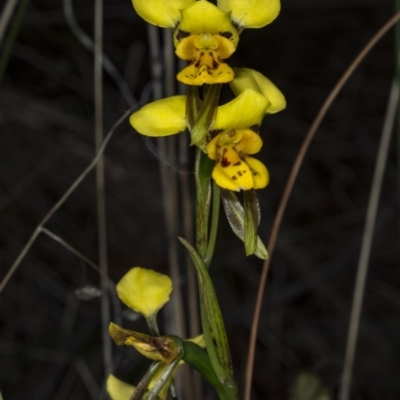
(251, 13)
(161, 118)
(144, 290)
(231, 172)
(161, 12)
(244, 111)
(212, 148)
(250, 142)
(259, 172)
(197, 75)
(246, 78)
(119, 390)
(204, 17)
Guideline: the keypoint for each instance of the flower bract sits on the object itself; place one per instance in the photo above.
(144, 290)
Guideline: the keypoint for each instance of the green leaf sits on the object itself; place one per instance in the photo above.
(217, 334)
(251, 221)
(200, 361)
(235, 214)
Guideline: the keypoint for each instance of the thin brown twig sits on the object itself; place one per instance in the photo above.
(288, 189)
(363, 262)
(62, 200)
(100, 185)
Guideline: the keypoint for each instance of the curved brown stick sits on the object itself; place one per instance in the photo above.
(288, 190)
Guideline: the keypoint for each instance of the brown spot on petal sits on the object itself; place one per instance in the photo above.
(215, 64)
(237, 163)
(225, 162)
(240, 173)
(234, 177)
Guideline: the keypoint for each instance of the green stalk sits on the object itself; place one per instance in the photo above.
(203, 169)
(214, 224)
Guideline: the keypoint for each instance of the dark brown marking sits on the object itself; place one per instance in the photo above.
(215, 132)
(197, 64)
(240, 173)
(227, 35)
(215, 64)
(225, 162)
(255, 128)
(237, 163)
(182, 34)
(234, 177)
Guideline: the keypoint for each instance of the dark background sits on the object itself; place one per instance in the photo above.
(50, 342)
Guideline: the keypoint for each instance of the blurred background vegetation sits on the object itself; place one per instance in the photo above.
(50, 338)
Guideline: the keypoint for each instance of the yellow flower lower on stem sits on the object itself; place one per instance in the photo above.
(234, 169)
(144, 290)
(234, 135)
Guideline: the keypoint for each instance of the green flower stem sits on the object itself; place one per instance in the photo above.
(214, 224)
(168, 372)
(142, 386)
(152, 324)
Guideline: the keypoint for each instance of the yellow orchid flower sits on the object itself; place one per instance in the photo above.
(234, 135)
(205, 34)
(144, 290)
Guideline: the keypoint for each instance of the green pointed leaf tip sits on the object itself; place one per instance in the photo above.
(206, 117)
(235, 214)
(213, 312)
